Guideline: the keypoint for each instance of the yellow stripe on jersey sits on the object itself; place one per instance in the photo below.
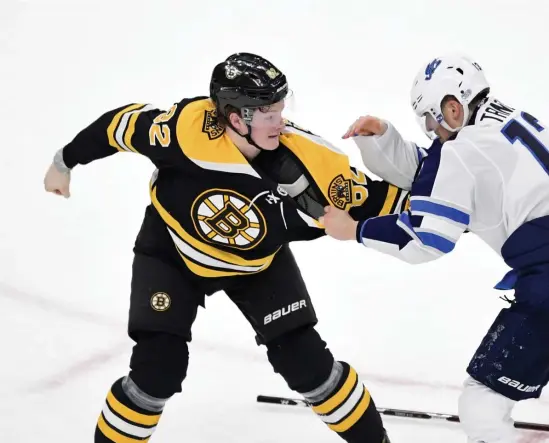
(113, 126)
(204, 271)
(392, 193)
(326, 163)
(130, 131)
(199, 143)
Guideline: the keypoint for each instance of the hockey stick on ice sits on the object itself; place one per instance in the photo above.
(398, 412)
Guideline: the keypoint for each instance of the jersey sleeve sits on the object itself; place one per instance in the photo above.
(441, 204)
(374, 198)
(138, 128)
(390, 157)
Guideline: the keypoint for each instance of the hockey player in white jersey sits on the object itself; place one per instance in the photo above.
(487, 172)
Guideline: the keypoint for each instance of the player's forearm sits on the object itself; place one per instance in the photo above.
(393, 235)
(390, 157)
(91, 143)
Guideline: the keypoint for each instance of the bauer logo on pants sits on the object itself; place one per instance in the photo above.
(284, 311)
(161, 301)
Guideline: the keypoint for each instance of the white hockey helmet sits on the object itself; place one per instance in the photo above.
(454, 75)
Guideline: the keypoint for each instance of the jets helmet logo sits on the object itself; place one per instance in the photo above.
(340, 192)
(160, 301)
(226, 217)
(211, 126)
(431, 68)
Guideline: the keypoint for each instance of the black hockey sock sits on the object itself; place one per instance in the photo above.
(122, 421)
(350, 411)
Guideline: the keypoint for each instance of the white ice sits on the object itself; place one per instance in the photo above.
(65, 264)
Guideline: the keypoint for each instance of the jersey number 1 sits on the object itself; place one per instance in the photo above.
(514, 130)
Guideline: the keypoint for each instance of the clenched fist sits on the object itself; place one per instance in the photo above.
(366, 125)
(57, 182)
(338, 224)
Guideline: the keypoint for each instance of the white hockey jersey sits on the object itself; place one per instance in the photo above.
(490, 179)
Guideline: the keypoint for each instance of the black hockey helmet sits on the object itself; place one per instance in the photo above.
(246, 81)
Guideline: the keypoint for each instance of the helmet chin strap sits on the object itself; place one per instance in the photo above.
(466, 116)
(247, 137)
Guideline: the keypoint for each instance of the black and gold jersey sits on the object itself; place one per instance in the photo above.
(227, 215)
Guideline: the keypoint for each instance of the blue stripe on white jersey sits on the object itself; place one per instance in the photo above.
(429, 239)
(427, 206)
(439, 212)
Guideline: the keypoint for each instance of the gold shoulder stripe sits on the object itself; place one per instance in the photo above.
(323, 160)
(206, 144)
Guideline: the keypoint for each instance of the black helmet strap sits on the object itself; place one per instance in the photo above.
(247, 136)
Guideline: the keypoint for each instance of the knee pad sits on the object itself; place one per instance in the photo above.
(484, 414)
(301, 358)
(159, 363)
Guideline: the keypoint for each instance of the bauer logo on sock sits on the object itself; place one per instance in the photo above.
(161, 301)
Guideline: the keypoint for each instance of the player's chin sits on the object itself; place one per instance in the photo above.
(271, 142)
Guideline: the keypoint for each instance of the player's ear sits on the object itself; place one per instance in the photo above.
(237, 122)
(452, 111)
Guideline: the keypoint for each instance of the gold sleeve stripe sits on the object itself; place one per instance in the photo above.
(115, 436)
(392, 193)
(131, 130)
(339, 398)
(114, 125)
(354, 416)
(127, 413)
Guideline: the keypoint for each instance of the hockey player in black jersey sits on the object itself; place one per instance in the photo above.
(234, 184)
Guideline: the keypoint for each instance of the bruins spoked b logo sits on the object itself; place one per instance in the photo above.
(161, 301)
(226, 217)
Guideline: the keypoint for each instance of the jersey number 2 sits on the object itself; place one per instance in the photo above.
(514, 130)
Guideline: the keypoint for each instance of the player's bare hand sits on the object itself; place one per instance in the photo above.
(57, 182)
(338, 224)
(366, 125)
